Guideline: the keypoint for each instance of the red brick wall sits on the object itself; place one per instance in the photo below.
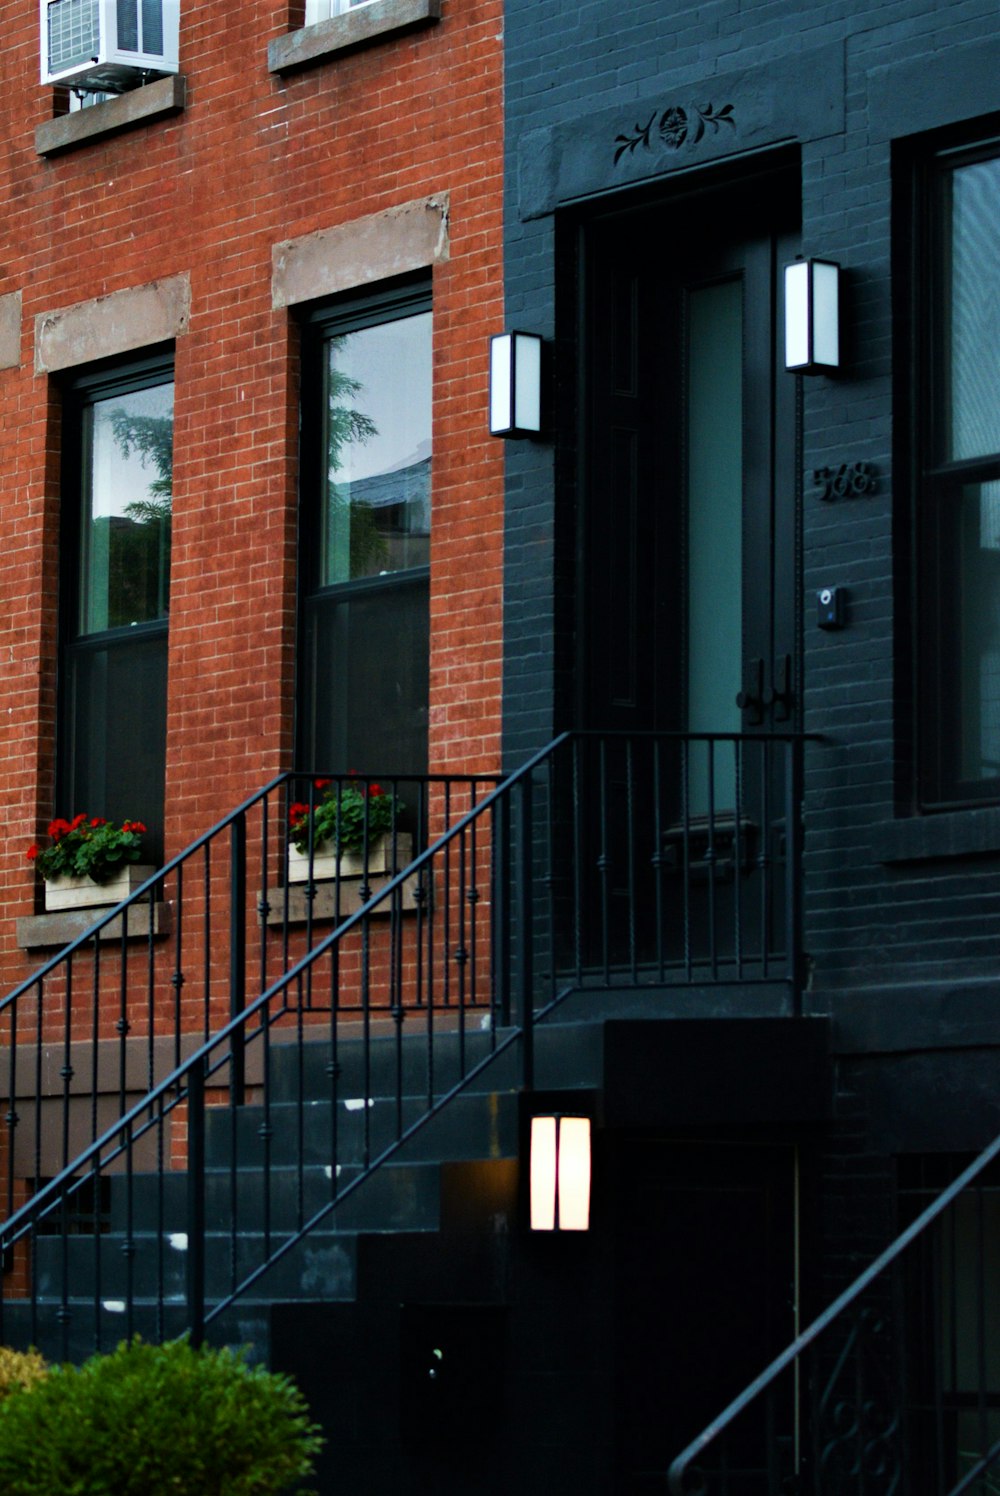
(253, 159)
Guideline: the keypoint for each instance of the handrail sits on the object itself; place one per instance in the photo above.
(512, 906)
(681, 1467)
(140, 895)
(172, 1082)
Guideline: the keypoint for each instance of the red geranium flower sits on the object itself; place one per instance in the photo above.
(33, 851)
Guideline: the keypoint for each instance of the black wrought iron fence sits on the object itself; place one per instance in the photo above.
(165, 1085)
(896, 1386)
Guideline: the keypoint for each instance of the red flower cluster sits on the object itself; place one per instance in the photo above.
(87, 846)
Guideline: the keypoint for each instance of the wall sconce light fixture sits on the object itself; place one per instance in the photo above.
(515, 384)
(812, 317)
(560, 1173)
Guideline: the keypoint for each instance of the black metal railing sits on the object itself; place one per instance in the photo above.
(227, 1139)
(896, 1385)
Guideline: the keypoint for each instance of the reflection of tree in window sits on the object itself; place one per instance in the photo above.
(377, 513)
(344, 426)
(127, 553)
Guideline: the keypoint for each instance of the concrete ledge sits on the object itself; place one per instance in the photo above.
(122, 322)
(413, 236)
(10, 330)
(326, 905)
(956, 833)
(35, 931)
(153, 101)
(357, 28)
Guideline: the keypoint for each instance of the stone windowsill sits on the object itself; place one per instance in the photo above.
(326, 905)
(35, 931)
(956, 833)
(356, 28)
(138, 106)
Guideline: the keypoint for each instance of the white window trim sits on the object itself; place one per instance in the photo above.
(323, 10)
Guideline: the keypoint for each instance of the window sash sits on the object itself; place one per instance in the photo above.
(365, 534)
(114, 576)
(957, 425)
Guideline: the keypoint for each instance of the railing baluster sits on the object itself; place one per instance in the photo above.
(793, 870)
(578, 844)
(686, 855)
(604, 861)
(525, 945)
(737, 750)
(630, 834)
(196, 1202)
(238, 953)
(712, 861)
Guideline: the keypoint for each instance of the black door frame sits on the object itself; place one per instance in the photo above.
(734, 210)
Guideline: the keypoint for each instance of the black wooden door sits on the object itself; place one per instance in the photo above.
(689, 609)
(689, 539)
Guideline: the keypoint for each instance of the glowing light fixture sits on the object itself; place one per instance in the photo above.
(515, 384)
(560, 1173)
(812, 317)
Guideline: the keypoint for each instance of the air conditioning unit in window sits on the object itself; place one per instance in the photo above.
(108, 45)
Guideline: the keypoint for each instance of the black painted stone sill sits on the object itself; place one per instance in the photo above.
(356, 28)
(137, 107)
(956, 833)
(38, 931)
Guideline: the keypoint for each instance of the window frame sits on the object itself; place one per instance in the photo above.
(325, 10)
(409, 295)
(81, 392)
(938, 483)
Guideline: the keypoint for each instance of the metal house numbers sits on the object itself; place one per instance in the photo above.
(851, 480)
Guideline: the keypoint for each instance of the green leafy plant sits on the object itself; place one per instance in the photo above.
(341, 814)
(20, 1370)
(157, 1421)
(87, 847)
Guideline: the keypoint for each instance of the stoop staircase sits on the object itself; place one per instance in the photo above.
(290, 1117)
(132, 1276)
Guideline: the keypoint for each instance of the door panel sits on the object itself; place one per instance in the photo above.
(689, 605)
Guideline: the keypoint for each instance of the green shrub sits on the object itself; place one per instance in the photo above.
(157, 1421)
(20, 1369)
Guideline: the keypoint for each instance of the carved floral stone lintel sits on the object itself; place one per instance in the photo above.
(674, 127)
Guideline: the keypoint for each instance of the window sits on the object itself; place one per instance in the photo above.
(322, 10)
(958, 459)
(366, 535)
(117, 487)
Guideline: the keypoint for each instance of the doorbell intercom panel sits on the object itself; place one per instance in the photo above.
(831, 607)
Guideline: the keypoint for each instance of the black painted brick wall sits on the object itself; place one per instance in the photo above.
(870, 920)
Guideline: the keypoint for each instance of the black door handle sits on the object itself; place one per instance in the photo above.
(751, 699)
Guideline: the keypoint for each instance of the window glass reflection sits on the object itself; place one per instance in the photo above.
(974, 334)
(127, 494)
(980, 625)
(376, 515)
